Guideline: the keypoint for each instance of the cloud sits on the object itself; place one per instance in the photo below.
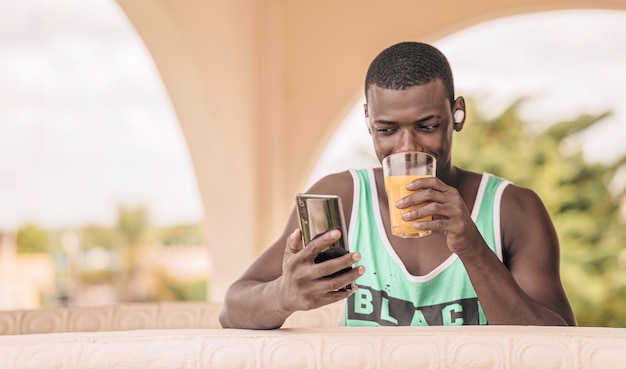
(85, 119)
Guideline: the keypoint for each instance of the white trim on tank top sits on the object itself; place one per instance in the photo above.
(355, 205)
(497, 205)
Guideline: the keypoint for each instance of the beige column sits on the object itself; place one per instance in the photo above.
(207, 52)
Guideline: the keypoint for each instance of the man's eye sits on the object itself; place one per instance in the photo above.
(385, 131)
(428, 127)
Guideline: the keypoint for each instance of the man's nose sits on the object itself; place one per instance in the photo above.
(408, 141)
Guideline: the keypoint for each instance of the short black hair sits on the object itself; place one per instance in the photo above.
(409, 64)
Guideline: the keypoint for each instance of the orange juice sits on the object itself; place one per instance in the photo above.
(396, 189)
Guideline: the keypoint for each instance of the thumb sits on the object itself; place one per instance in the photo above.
(294, 242)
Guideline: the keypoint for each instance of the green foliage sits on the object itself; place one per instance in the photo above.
(565, 129)
(129, 244)
(575, 192)
(98, 236)
(181, 234)
(132, 223)
(171, 289)
(32, 239)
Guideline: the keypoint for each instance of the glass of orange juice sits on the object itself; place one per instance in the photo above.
(399, 170)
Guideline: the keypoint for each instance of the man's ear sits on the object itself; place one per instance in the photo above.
(458, 113)
(366, 113)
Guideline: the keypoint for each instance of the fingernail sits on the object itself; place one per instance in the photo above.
(356, 256)
(334, 233)
(361, 270)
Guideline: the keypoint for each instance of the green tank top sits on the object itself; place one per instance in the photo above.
(387, 293)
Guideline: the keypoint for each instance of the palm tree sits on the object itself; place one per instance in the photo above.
(134, 279)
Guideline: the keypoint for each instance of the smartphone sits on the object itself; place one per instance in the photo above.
(319, 214)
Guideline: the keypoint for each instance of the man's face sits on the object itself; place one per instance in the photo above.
(418, 118)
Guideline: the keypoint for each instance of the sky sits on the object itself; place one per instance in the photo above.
(86, 124)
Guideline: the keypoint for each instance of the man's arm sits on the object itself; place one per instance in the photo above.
(285, 278)
(260, 301)
(527, 289)
(532, 258)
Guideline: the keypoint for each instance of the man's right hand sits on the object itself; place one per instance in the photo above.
(304, 285)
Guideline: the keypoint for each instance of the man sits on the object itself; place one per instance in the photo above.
(493, 255)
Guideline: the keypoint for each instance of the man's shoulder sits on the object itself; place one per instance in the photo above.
(340, 183)
(522, 205)
(514, 195)
(474, 179)
(520, 196)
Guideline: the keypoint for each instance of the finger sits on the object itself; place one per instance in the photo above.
(438, 225)
(424, 195)
(426, 182)
(335, 265)
(320, 243)
(425, 210)
(453, 209)
(345, 279)
(420, 197)
(333, 296)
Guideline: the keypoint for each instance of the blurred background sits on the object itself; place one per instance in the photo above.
(100, 204)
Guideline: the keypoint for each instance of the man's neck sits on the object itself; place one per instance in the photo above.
(453, 176)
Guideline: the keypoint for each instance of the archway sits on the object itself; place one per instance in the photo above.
(268, 74)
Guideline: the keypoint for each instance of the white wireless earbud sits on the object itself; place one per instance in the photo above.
(459, 115)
